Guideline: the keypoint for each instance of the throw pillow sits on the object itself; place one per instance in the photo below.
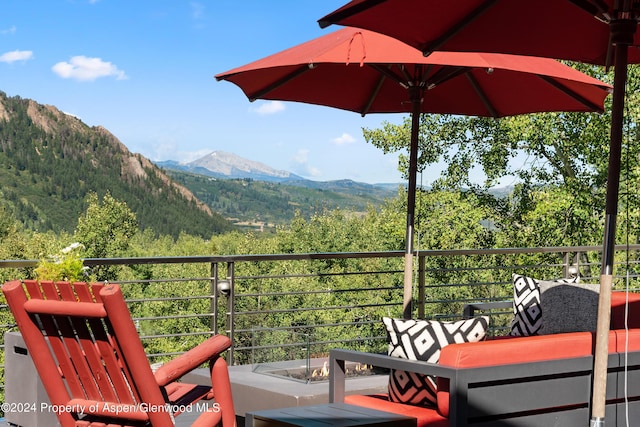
(423, 340)
(568, 307)
(527, 313)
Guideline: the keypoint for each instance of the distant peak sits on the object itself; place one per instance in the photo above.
(234, 166)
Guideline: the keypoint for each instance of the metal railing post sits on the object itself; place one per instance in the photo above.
(231, 308)
(566, 263)
(214, 301)
(421, 286)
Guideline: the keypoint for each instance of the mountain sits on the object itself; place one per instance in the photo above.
(221, 164)
(50, 161)
(252, 194)
(265, 204)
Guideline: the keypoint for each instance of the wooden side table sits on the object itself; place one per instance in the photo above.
(332, 414)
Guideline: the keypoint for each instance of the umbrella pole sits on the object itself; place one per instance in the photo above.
(623, 32)
(407, 306)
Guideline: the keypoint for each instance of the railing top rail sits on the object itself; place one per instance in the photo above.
(314, 256)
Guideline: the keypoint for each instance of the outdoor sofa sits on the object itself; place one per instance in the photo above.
(542, 380)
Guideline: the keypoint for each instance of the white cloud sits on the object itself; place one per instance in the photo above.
(301, 165)
(169, 149)
(10, 30)
(313, 172)
(87, 69)
(345, 138)
(197, 10)
(197, 14)
(271, 107)
(302, 156)
(16, 55)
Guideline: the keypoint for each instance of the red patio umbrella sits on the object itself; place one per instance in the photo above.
(577, 30)
(367, 72)
(600, 32)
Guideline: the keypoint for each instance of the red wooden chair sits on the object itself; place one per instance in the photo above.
(91, 361)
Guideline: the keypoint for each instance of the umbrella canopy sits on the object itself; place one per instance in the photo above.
(593, 31)
(367, 72)
(568, 29)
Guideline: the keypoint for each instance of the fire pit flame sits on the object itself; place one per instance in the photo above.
(321, 372)
(324, 371)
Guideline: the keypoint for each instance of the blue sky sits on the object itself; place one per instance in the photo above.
(144, 70)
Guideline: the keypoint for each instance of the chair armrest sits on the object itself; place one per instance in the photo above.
(469, 310)
(193, 358)
(338, 357)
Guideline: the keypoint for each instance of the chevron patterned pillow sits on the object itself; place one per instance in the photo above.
(527, 314)
(423, 340)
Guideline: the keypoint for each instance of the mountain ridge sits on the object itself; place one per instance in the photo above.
(232, 165)
(50, 161)
(225, 165)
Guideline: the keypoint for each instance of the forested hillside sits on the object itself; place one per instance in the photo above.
(266, 204)
(50, 162)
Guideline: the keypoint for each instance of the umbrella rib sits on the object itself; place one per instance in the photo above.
(376, 90)
(483, 96)
(455, 29)
(425, 75)
(596, 8)
(445, 74)
(273, 86)
(581, 99)
(347, 13)
(386, 71)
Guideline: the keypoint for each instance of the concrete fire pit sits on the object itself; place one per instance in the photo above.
(279, 385)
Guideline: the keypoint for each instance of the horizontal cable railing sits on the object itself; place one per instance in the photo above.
(297, 306)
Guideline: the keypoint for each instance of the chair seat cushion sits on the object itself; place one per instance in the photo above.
(426, 417)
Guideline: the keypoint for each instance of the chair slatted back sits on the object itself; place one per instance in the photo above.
(85, 334)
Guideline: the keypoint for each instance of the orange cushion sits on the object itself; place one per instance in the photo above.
(518, 350)
(633, 337)
(618, 300)
(426, 417)
(515, 350)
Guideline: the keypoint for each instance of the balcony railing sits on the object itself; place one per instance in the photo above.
(296, 306)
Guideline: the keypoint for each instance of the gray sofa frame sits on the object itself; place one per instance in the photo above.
(548, 393)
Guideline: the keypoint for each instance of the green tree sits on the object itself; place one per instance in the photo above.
(105, 230)
(565, 156)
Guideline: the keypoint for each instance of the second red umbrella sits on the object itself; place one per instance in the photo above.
(366, 72)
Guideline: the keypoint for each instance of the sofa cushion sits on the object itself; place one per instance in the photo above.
(627, 341)
(515, 350)
(568, 307)
(527, 313)
(619, 310)
(423, 340)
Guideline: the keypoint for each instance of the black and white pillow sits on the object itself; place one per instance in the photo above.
(527, 311)
(422, 340)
